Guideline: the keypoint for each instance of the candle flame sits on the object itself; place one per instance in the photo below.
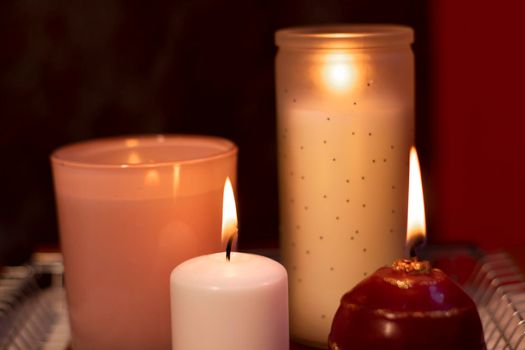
(152, 178)
(134, 158)
(229, 212)
(176, 180)
(130, 143)
(416, 225)
(339, 72)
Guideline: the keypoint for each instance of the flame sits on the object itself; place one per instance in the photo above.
(134, 158)
(130, 143)
(229, 212)
(338, 72)
(416, 225)
(176, 179)
(151, 178)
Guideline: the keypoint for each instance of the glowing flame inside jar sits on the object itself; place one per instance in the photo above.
(152, 178)
(131, 143)
(339, 72)
(134, 158)
(229, 215)
(416, 225)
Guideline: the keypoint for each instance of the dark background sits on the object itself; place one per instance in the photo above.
(72, 70)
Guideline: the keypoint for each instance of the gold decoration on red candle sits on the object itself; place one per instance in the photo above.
(229, 216)
(416, 224)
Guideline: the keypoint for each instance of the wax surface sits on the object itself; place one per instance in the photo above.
(229, 305)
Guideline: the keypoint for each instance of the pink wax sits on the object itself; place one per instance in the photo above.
(130, 210)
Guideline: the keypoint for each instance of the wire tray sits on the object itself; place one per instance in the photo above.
(33, 312)
(497, 286)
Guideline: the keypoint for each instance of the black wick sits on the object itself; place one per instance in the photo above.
(419, 241)
(413, 253)
(229, 247)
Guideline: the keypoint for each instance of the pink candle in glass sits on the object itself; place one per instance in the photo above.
(130, 209)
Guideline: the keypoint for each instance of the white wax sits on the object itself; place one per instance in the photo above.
(229, 305)
(343, 187)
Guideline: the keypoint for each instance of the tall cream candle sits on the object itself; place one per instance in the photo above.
(345, 125)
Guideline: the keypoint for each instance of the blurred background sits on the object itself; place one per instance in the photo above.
(71, 71)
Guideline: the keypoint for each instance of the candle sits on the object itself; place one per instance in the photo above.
(225, 302)
(131, 208)
(409, 305)
(345, 124)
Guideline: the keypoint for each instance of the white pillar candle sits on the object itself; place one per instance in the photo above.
(224, 302)
(229, 305)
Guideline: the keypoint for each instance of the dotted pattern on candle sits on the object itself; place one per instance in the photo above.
(347, 173)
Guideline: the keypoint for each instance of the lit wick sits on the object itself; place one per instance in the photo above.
(418, 241)
(229, 248)
(229, 217)
(416, 223)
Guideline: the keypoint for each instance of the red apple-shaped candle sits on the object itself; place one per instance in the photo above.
(407, 306)
(410, 305)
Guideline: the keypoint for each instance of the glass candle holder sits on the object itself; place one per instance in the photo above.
(345, 105)
(130, 209)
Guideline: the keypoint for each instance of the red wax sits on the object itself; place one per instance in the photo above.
(407, 306)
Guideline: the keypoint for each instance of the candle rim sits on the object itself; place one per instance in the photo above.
(186, 272)
(65, 155)
(350, 36)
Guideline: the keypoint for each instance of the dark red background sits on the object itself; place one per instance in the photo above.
(478, 122)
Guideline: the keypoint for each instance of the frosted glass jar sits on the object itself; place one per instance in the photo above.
(131, 209)
(345, 105)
